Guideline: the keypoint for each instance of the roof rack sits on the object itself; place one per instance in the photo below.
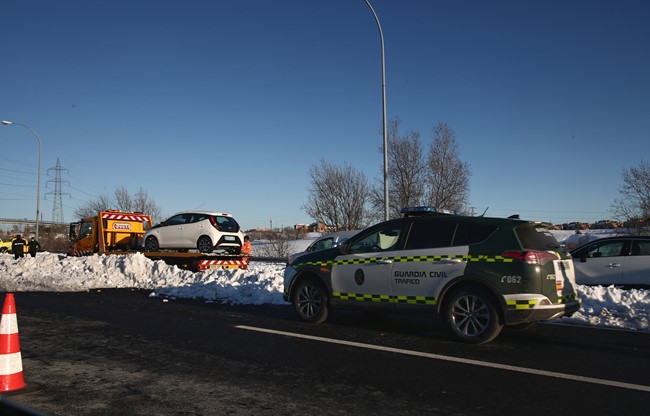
(427, 210)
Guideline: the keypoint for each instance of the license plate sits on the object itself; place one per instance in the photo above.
(229, 238)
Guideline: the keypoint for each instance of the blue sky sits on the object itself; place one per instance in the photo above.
(225, 105)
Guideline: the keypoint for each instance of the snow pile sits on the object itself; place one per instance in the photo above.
(262, 283)
(613, 307)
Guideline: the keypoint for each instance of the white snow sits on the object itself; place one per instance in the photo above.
(261, 283)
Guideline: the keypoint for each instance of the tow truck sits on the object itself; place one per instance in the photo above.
(120, 232)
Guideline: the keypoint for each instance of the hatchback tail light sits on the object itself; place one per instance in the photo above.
(531, 257)
(214, 222)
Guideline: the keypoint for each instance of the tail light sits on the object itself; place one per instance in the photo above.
(214, 222)
(531, 257)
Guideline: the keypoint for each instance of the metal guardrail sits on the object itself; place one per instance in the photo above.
(25, 221)
(268, 259)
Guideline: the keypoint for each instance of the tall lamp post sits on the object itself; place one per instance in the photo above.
(383, 101)
(38, 186)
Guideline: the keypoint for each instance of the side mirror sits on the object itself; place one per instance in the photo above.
(583, 258)
(344, 247)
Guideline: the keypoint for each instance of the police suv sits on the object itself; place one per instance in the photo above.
(476, 273)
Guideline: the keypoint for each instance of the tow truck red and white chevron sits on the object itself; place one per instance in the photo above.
(121, 232)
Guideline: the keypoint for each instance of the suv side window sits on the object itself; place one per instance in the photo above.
(470, 233)
(382, 239)
(430, 234)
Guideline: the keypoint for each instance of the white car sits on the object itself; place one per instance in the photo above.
(329, 240)
(621, 261)
(201, 230)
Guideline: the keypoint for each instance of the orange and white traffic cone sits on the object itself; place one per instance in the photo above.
(11, 364)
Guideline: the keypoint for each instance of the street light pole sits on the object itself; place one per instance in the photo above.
(383, 101)
(38, 185)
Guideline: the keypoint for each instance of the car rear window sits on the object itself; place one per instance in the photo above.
(227, 224)
(536, 237)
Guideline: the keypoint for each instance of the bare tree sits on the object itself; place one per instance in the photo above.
(142, 203)
(123, 201)
(447, 175)
(636, 193)
(406, 180)
(441, 179)
(275, 243)
(406, 172)
(338, 196)
(102, 203)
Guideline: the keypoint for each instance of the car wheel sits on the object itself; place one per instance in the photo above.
(310, 300)
(151, 244)
(204, 244)
(472, 315)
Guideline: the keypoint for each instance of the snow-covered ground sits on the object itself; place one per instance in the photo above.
(262, 283)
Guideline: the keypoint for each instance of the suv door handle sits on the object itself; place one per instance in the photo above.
(614, 265)
(384, 261)
(448, 261)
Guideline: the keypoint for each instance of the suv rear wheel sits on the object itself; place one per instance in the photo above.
(310, 300)
(472, 315)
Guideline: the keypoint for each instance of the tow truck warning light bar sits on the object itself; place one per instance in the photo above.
(425, 210)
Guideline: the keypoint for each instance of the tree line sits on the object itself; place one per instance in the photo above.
(342, 197)
(418, 174)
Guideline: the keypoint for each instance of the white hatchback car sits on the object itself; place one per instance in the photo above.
(201, 230)
(622, 261)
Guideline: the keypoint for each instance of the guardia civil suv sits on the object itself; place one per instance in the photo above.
(476, 273)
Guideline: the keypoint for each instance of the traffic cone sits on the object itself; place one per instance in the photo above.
(11, 364)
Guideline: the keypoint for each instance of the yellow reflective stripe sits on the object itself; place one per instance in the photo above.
(568, 298)
(368, 297)
(522, 304)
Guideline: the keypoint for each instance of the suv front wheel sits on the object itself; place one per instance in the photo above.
(472, 315)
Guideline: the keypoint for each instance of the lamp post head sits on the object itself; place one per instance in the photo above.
(6, 123)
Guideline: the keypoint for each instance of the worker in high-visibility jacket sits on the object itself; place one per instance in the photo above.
(247, 248)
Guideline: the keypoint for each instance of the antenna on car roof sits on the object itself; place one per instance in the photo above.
(514, 216)
(483, 214)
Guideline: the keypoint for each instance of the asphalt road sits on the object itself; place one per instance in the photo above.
(122, 352)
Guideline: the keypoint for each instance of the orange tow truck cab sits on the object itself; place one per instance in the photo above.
(109, 231)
